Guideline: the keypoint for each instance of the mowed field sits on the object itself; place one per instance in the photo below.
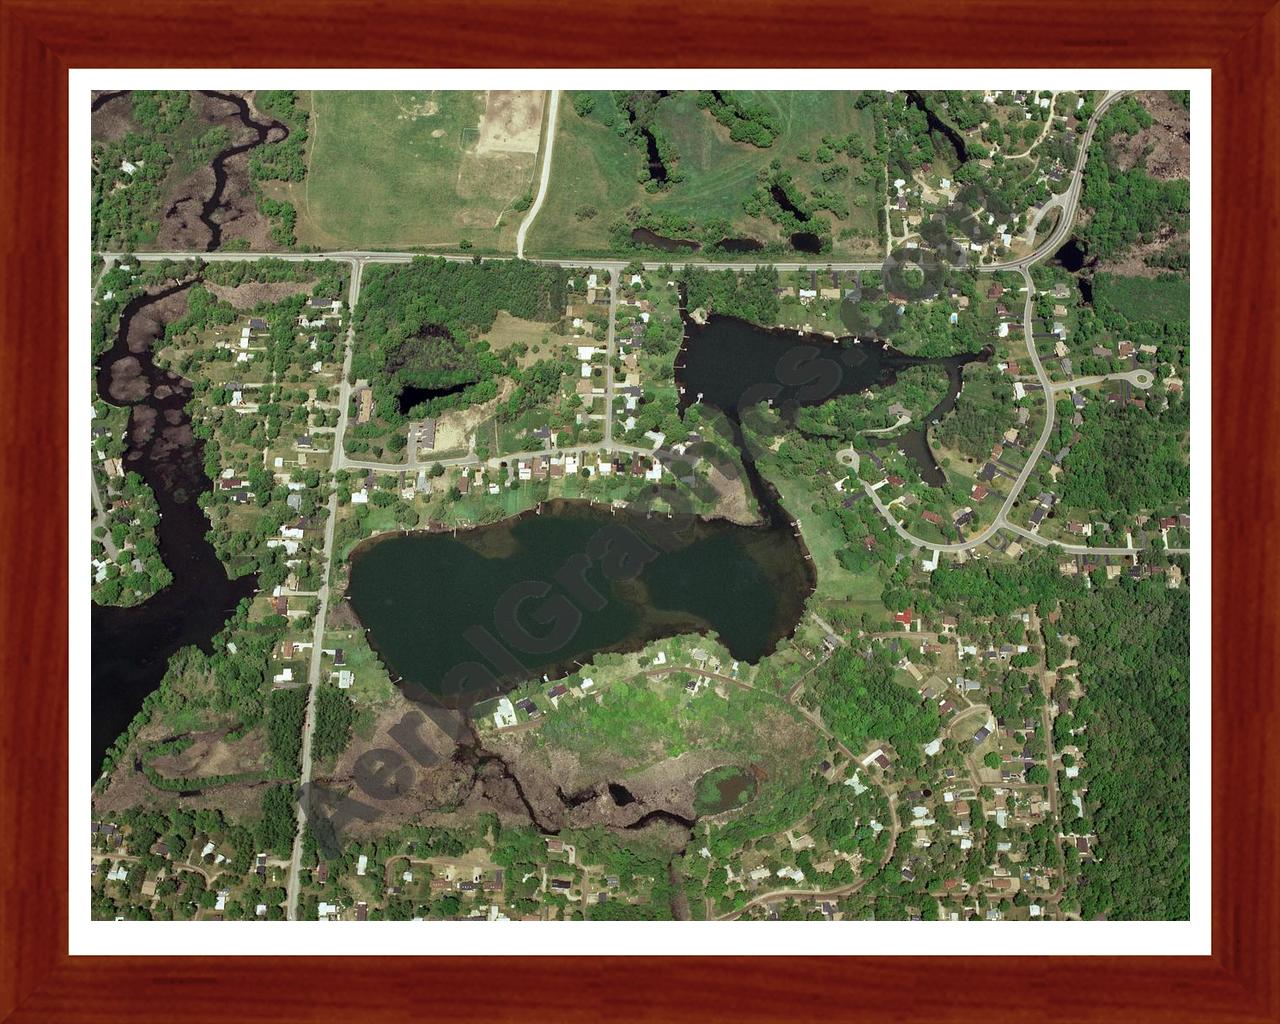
(405, 169)
(594, 167)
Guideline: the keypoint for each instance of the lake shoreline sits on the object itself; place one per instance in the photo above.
(665, 623)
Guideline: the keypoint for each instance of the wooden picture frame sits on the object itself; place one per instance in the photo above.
(39, 981)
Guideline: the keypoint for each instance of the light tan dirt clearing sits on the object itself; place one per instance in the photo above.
(512, 122)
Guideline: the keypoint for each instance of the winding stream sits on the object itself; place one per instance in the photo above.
(262, 131)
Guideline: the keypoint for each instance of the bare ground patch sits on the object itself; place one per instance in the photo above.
(512, 122)
(428, 778)
(732, 502)
(248, 295)
(1166, 143)
(455, 427)
(211, 754)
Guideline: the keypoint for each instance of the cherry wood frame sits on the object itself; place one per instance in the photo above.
(39, 41)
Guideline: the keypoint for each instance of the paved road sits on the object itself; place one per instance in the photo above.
(1138, 378)
(317, 636)
(610, 344)
(546, 174)
(1067, 200)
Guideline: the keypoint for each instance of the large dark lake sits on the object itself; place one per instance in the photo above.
(467, 615)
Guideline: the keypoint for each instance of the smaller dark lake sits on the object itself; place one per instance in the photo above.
(643, 236)
(1073, 255)
(806, 241)
(733, 365)
(469, 615)
(620, 794)
(740, 245)
(411, 395)
(723, 789)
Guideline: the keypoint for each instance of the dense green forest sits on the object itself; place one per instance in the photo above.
(984, 410)
(334, 717)
(1133, 727)
(751, 295)
(285, 710)
(416, 326)
(860, 701)
(1127, 206)
(1128, 459)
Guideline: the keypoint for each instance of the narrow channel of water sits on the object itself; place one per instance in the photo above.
(131, 647)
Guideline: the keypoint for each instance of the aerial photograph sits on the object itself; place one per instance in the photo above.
(639, 505)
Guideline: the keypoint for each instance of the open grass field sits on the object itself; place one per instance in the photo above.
(406, 169)
(539, 340)
(1164, 300)
(824, 539)
(595, 168)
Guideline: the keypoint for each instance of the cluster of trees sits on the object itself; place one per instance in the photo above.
(415, 326)
(283, 217)
(335, 714)
(1129, 205)
(1133, 728)
(1150, 309)
(285, 711)
(751, 295)
(283, 160)
(280, 161)
(910, 142)
(917, 388)
(131, 525)
(330, 278)
(747, 121)
(279, 823)
(860, 701)
(537, 385)
(1131, 725)
(984, 410)
(182, 893)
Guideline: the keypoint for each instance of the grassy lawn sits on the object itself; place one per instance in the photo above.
(401, 169)
(594, 167)
(824, 538)
(372, 685)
